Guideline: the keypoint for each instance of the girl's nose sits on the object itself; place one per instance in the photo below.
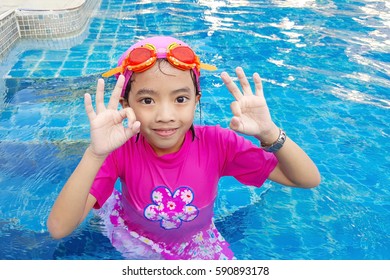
(165, 113)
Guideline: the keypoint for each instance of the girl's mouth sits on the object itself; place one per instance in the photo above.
(165, 132)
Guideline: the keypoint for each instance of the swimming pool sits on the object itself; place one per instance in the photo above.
(326, 70)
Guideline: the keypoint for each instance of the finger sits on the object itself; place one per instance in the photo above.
(130, 115)
(236, 109)
(133, 126)
(88, 107)
(231, 86)
(246, 87)
(116, 94)
(100, 96)
(258, 85)
(236, 124)
(132, 129)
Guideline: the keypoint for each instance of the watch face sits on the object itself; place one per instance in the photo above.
(279, 143)
(275, 147)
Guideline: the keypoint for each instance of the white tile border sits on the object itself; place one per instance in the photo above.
(43, 24)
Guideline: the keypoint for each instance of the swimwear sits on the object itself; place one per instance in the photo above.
(166, 203)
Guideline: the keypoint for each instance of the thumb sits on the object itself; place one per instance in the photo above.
(132, 129)
(236, 124)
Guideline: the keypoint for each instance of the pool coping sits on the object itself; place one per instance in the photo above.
(41, 24)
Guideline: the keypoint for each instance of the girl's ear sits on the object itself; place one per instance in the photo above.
(124, 102)
(197, 97)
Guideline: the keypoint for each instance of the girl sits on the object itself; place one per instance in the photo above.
(169, 169)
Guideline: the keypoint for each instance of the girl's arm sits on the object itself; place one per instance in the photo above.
(295, 168)
(74, 201)
(252, 117)
(107, 134)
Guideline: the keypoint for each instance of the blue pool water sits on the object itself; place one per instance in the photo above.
(326, 70)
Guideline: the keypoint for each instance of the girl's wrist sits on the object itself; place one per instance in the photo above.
(277, 145)
(91, 153)
(268, 137)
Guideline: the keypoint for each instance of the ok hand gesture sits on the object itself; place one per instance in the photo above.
(251, 115)
(106, 124)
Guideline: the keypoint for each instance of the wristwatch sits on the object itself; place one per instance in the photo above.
(274, 147)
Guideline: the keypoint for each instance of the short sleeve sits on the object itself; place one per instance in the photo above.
(104, 182)
(245, 161)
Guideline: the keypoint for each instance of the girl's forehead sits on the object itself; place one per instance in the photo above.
(162, 74)
(162, 78)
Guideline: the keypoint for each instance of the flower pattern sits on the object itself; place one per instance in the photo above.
(207, 244)
(171, 209)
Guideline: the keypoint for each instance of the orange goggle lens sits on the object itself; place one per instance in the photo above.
(182, 56)
(140, 59)
(140, 55)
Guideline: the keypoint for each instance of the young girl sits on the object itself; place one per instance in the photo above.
(169, 169)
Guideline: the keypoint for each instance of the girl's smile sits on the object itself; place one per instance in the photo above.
(165, 132)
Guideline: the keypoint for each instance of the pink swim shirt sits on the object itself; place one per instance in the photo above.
(170, 197)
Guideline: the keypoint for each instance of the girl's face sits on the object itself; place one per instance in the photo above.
(164, 101)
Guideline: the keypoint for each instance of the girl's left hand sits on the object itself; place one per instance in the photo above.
(251, 113)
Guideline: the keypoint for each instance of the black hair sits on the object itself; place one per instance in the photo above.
(197, 92)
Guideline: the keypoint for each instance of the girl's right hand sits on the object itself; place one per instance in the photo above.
(107, 130)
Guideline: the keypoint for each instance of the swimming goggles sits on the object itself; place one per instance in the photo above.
(144, 57)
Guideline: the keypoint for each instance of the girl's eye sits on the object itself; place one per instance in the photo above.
(147, 101)
(181, 99)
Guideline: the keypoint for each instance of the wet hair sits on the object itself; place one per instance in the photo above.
(197, 91)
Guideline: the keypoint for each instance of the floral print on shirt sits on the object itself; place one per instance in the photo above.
(207, 244)
(171, 209)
